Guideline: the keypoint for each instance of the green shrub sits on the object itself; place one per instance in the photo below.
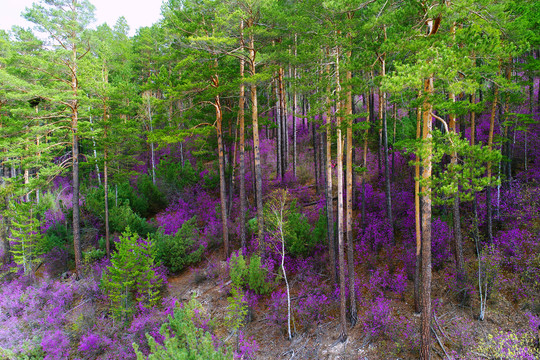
(257, 276)
(253, 274)
(95, 200)
(238, 269)
(155, 198)
(180, 250)
(93, 255)
(183, 339)
(320, 231)
(237, 309)
(55, 237)
(121, 217)
(127, 195)
(131, 275)
(211, 180)
(177, 175)
(298, 239)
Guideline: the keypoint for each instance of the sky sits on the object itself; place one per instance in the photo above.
(138, 13)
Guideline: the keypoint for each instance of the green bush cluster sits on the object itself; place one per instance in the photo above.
(93, 255)
(184, 339)
(177, 175)
(56, 237)
(148, 190)
(121, 217)
(131, 275)
(179, 250)
(146, 201)
(252, 275)
(300, 239)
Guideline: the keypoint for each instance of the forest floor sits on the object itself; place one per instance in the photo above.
(320, 341)
(456, 328)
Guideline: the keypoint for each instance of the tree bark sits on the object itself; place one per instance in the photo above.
(349, 192)
(315, 157)
(256, 146)
(425, 351)
(341, 244)
(461, 277)
(329, 195)
(284, 131)
(279, 148)
(241, 105)
(106, 180)
(418, 225)
(285, 126)
(222, 190)
(490, 145)
(75, 163)
(295, 105)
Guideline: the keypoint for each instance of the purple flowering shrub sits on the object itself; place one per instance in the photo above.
(172, 219)
(36, 316)
(277, 308)
(247, 347)
(378, 319)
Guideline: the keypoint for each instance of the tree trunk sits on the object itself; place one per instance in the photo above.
(315, 157)
(490, 145)
(425, 350)
(284, 126)
(329, 195)
(95, 152)
(294, 110)
(418, 225)
(106, 181)
(241, 105)
(279, 148)
(152, 152)
(256, 147)
(75, 164)
(341, 244)
(387, 166)
(349, 193)
(461, 276)
(222, 190)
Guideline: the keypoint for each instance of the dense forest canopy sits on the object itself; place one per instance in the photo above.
(244, 174)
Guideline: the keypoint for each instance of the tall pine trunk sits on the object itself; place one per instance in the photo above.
(241, 105)
(294, 109)
(279, 140)
(349, 193)
(425, 350)
(75, 164)
(256, 146)
(329, 194)
(418, 225)
(221, 159)
(490, 145)
(341, 243)
(106, 180)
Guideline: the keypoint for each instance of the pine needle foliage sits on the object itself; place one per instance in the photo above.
(131, 275)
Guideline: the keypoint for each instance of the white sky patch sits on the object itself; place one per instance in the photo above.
(138, 13)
